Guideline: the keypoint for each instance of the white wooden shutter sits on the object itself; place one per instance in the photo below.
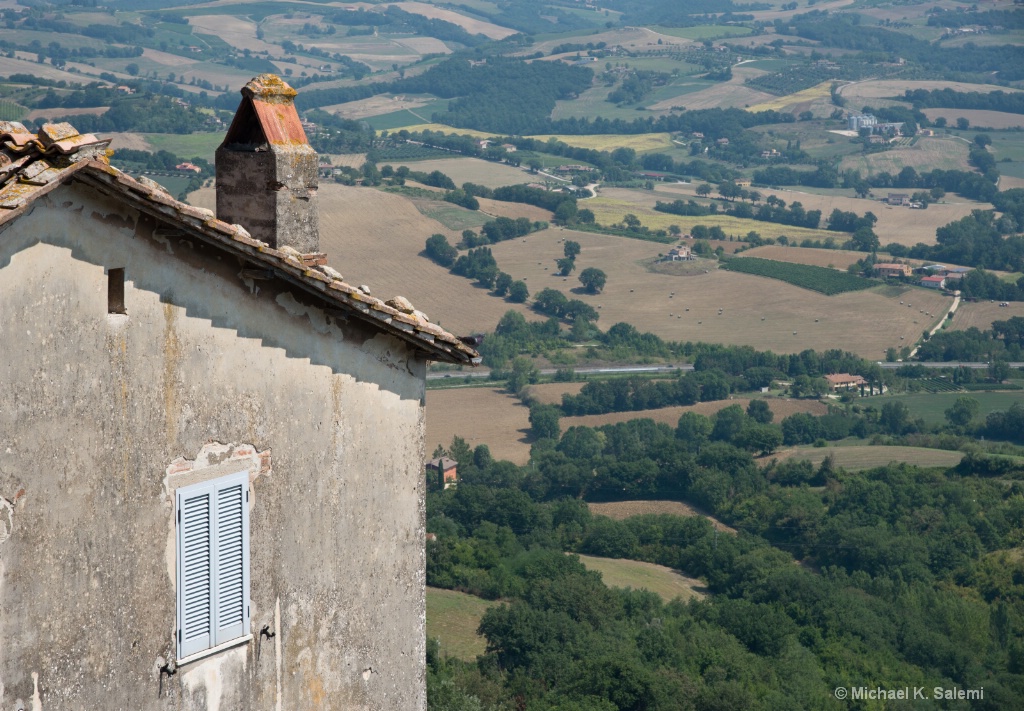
(231, 552)
(213, 563)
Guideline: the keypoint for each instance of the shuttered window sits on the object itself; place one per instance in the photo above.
(213, 563)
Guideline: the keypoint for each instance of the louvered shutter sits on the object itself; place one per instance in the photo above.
(195, 573)
(231, 553)
(213, 563)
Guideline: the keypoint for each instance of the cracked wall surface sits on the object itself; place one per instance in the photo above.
(97, 408)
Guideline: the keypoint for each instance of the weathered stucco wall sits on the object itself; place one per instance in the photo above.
(95, 408)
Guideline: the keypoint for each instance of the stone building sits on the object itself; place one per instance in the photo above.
(211, 446)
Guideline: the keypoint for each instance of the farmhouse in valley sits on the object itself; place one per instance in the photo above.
(934, 282)
(443, 472)
(681, 253)
(844, 381)
(211, 468)
(901, 199)
(892, 270)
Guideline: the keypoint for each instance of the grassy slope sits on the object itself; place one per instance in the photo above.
(868, 457)
(453, 618)
(639, 575)
(932, 406)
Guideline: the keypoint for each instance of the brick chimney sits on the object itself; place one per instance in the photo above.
(267, 171)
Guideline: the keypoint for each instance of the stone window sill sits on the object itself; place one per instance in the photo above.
(237, 642)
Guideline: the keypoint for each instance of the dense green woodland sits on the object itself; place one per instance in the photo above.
(904, 577)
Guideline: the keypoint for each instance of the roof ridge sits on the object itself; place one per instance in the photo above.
(396, 315)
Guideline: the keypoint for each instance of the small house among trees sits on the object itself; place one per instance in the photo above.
(442, 473)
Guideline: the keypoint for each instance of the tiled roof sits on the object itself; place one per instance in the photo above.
(32, 165)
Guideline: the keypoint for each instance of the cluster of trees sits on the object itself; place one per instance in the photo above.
(890, 595)
(1007, 19)
(949, 99)
(500, 95)
(774, 209)
(1003, 342)
(975, 241)
(159, 161)
(636, 85)
(477, 264)
(335, 134)
(148, 113)
(552, 302)
(632, 394)
(845, 31)
(570, 250)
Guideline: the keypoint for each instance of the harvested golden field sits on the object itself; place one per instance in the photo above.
(835, 258)
(375, 238)
(858, 92)
(610, 210)
(926, 155)
(20, 64)
(620, 510)
(869, 457)
(375, 106)
(1008, 182)
(57, 112)
(167, 59)
(351, 160)
(895, 224)
(977, 117)
(781, 408)
(628, 37)
(781, 103)
(470, 25)
(472, 170)
(771, 15)
(639, 142)
(480, 416)
(725, 96)
(601, 142)
(499, 208)
(759, 312)
(137, 142)
(981, 314)
(239, 32)
(442, 128)
(639, 575)
(551, 393)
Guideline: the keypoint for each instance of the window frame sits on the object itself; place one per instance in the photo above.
(227, 541)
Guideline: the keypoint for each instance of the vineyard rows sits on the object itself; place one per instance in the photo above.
(820, 279)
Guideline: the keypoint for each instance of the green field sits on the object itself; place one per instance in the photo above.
(619, 573)
(188, 145)
(820, 279)
(854, 458)
(453, 618)
(451, 216)
(930, 407)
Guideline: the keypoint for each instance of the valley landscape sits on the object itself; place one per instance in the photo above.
(747, 279)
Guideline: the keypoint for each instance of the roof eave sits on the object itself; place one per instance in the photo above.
(430, 340)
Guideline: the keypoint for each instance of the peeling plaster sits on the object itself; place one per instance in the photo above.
(6, 519)
(182, 472)
(211, 676)
(317, 318)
